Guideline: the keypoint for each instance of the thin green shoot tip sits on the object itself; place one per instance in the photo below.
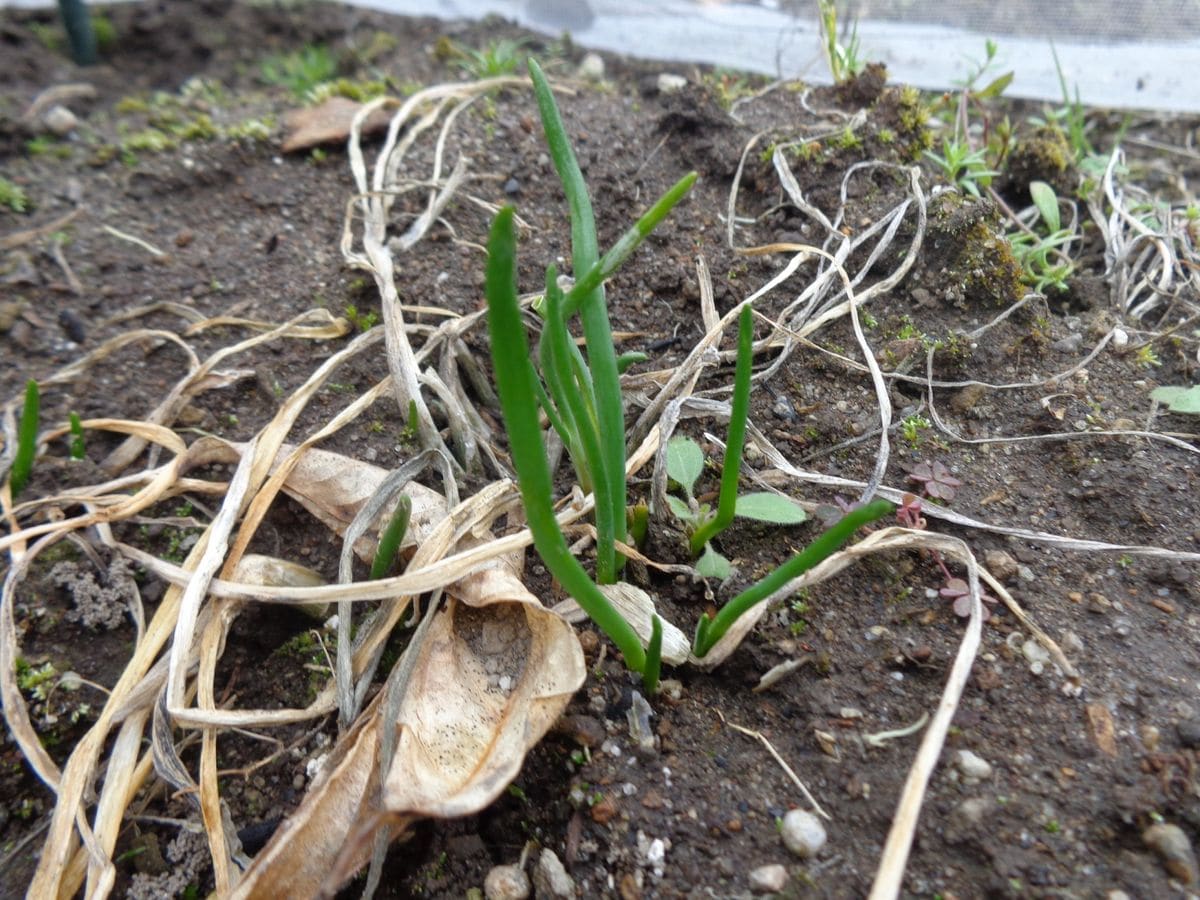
(27, 432)
(653, 669)
(392, 538)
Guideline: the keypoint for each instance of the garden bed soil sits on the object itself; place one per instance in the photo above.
(235, 226)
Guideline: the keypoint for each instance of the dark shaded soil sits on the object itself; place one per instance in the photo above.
(244, 229)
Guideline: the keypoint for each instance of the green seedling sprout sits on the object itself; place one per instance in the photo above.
(685, 461)
(78, 448)
(392, 538)
(710, 630)
(844, 61)
(580, 395)
(1043, 261)
(587, 394)
(739, 411)
(515, 383)
(27, 432)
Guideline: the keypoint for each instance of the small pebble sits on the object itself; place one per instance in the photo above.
(1000, 564)
(592, 67)
(1189, 732)
(506, 883)
(59, 120)
(972, 767)
(768, 879)
(1150, 737)
(669, 84)
(550, 879)
(69, 321)
(1171, 843)
(802, 833)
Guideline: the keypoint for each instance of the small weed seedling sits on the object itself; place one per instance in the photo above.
(935, 479)
(13, 196)
(78, 448)
(685, 462)
(496, 58)
(1043, 261)
(844, 60)
(363, 321)
(301, 71)
(27, 432)
(912, 426)
(963, 167)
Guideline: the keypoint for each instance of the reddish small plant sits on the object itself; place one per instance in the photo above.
(954, 589)
(959, 592)
(935, 479)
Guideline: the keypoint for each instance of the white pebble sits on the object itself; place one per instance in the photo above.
(768, 879)
(669, 84)
(506, 883)
(802, 833)
(551, 879)
(592, 67)
(973, 768)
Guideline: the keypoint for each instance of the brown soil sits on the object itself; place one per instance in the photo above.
(243, 229)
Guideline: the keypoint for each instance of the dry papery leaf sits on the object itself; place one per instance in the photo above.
(493, 670)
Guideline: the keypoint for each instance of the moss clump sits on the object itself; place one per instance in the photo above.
(1045, 156)
(899, 117)
(967, 255)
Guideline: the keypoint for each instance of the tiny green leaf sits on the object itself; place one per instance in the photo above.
(764, 506)
(27, 433)
(1179, 399)
(685, 462)
(712, 564)
(632, 358)
(1046, 202)
(996, 87)
(679, 508)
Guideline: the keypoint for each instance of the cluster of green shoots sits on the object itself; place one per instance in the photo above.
(685, 462)
(1039, 248)
(843, 59)
(580, 396)
(27, 439)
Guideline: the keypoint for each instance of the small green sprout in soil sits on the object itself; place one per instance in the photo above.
(78, 448)
(37, 681)
(13, 196)
(300, 71)
(1044, 262)
(363, 321)
(27, 432)
(1147, 357)
(496, 58)
(912, 427)
(710, 630)
(962, 166)
(392, 538)
(843, 58)
(685, 462)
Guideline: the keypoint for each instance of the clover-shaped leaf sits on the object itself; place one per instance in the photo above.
(957, 590)
(935, 480)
